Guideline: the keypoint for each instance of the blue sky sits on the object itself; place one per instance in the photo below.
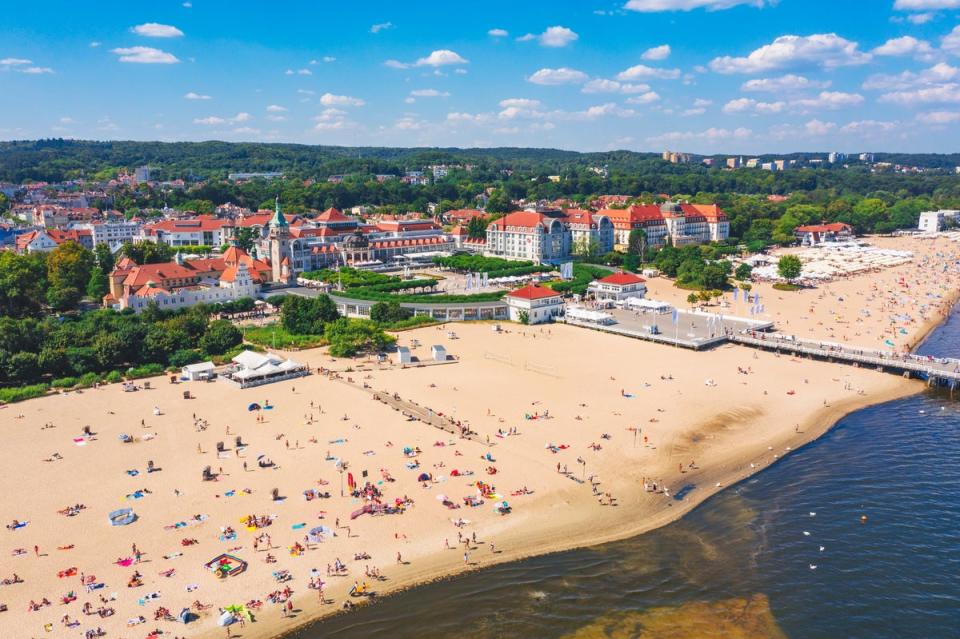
(737, 76)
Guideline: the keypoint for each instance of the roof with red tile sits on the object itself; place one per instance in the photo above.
(533, 292)
(622, 279)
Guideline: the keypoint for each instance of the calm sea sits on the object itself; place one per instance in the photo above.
(784, 554)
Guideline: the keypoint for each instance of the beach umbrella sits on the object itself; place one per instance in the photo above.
(424, 477)
(253, 407)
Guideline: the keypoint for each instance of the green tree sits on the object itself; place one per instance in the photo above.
(743, 272)
(23, 283)
(523, 317)
(477, 228)
(389, 312)
(637, 244)
(692, 299)
(498, 202)
(244, 238)
(220, 337)
(68, 271)
(97, 285)
(148, 252)
(789, 267)
(104, 257)
(350, 337)
(308, 316)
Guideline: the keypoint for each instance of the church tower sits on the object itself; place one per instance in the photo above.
(281, 255)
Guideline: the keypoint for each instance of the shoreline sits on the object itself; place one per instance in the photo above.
(815, 425)
(830, 416)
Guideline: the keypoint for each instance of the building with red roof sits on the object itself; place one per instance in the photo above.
(618, 286)
(683, 223)
(548, 236)
(534, 304)
(814, 234)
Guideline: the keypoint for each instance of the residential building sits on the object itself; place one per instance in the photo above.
(537, 304)
(113, 234)
(931, 221)
(35, 241)
(142, 174)
(528, 235)
(618, 286)
(202, 230)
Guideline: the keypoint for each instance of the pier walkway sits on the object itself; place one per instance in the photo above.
(938, 371)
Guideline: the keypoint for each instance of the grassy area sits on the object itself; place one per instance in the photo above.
(785, 286)
(276, 336)
(10, 395)
(411, 322)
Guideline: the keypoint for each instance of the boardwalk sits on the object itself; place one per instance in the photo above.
(938, 371)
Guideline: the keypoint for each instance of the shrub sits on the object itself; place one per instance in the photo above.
(147, 370)
(65, 382)
(9, 395)
(185, 356)
(113, 377)
(88, 380)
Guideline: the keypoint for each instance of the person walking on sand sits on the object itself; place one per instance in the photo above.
(466, 558)
(399, 558)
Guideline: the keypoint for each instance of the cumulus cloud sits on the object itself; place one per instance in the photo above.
(643, 72)
(192, 95)
(906, 45)
(381, 26)
(600, 85)
(329, 99)
(868, 127)
(214, 120)
(653, 6)
(925, 5)
(144, 55)
(156, 30)
(828, 100)
(785, 83)
(948, 92)
(298, 72)
(429, 93)
(332, 119)
(647, 98)
(937, 74)
(712, 134)
(827, 50)
(816, 127)
(14, 62)
(749, 105)
(951, 42)
(554, 77)
(920, 18)
(657, 53)
(557, 36)
(939, 117)
(441, 57)
(498, 33)
(276, 108)
(520, 103)
(36, 70)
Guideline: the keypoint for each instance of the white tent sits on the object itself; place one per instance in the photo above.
(647, 305)
(586, 315)
(200, 370)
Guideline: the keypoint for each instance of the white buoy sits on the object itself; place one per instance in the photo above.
(813, 567)
(813, 514)
(806, 534)
(822, 548)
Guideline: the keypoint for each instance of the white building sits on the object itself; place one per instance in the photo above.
(235, 283)
(931, 221)
(113, 234)
(682, 223)
(537, 303)
(438, 353)
(255, 369)
(618, 286)
(198, 372)
(403, 355)
(548, 237)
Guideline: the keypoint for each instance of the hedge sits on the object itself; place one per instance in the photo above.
(9, 395)
(147, 370)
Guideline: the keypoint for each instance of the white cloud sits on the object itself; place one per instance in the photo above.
(277, 118)
(216, 120)
(868, 127)
(498, 33)
(939, 117)
(519, 103)
(948, 92)
(938, 73)
(429, 93)
(245, 130)
(144, 55)
(694, 111)
(652, 6)
(601, 110)
(332, 119)
(554, 77)
(475, 118)
(828, 100)
(827, 50)
(925, 5)
(13, 62)
(906, 45)
(702, 102)
(557, 36)
(66, 120)
(95, 44)
(396, 64)
(712, 134)
(951, 42)
(441, 57)
(816, 127)
(195, 96)
(643, 72)
(381, 26)
(36, 70)
(156, 30)
(276, 108)
(601, 85)
(749, 105)
(329, 99)
(647, 98)
(328, 59)
(657, 53)
(785, 83)
(920, 18)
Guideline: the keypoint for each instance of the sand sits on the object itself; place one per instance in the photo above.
(592, 384)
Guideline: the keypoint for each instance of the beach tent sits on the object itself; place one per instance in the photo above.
(122, 517)
(253, 407)
(424, 477)
(226, 565)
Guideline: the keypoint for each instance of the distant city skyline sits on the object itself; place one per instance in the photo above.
(702, 76)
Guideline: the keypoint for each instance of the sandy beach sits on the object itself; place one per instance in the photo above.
(588, 437)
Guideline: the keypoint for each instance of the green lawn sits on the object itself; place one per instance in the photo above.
(276, 336)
